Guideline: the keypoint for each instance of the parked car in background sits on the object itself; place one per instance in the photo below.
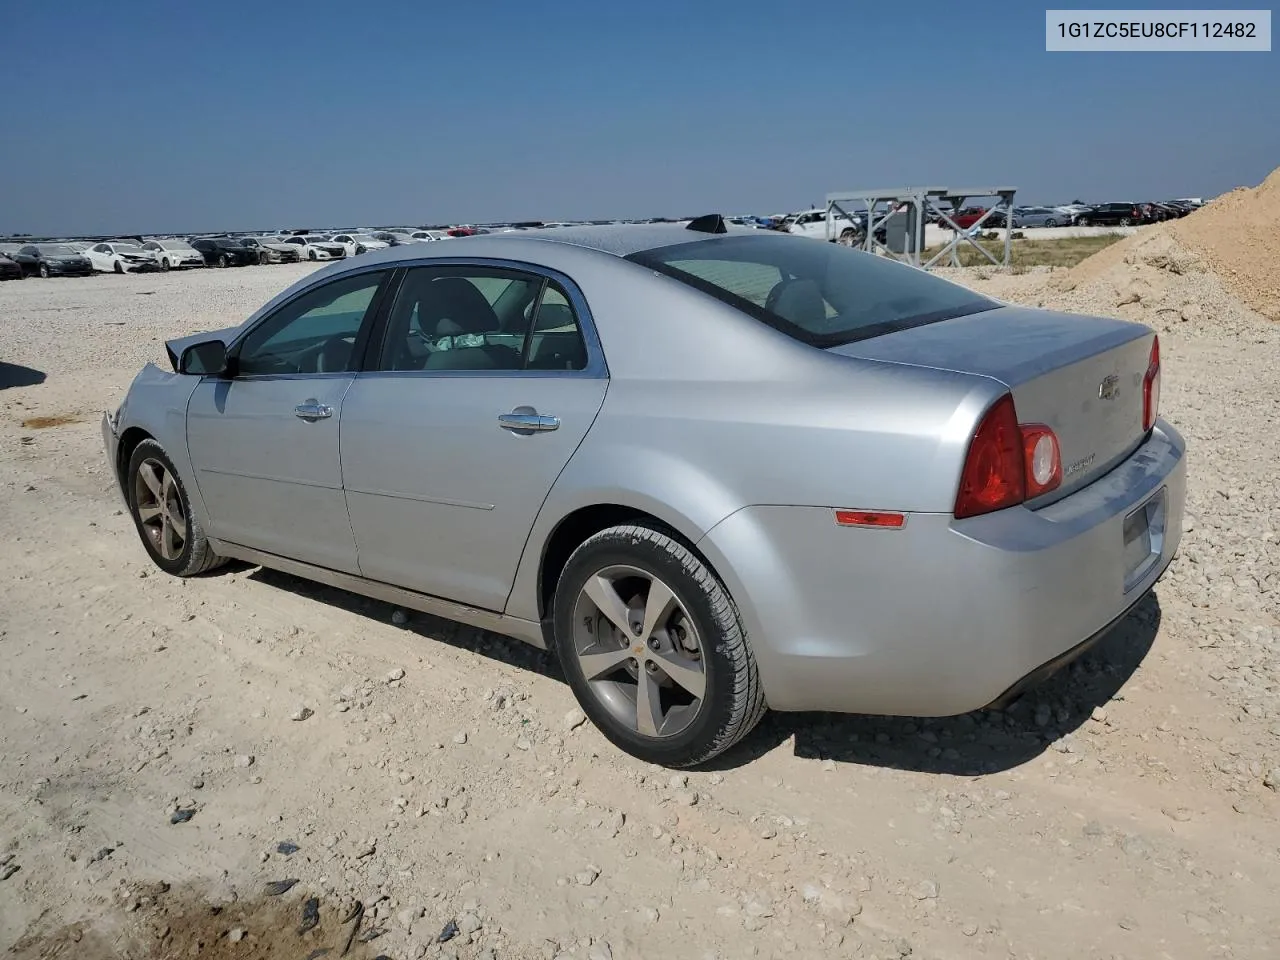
(174, 253)
(120, 256)
(357, 243)
(10, 269)
(1028, 217)
(395, 238)
(271, 250)
(225, 252)
(813, 223)
(27, 264)
(966, 217)
(1110, 215)
(1006, 463)
(429, 235)
(55, 260)
(316, 248)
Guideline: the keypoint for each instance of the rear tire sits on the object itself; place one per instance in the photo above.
(635, 560)
(161, 512)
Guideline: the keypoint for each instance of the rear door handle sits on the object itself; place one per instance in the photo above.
(313, 410)
(527, 422)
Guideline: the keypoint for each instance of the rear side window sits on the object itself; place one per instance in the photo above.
(822, 294)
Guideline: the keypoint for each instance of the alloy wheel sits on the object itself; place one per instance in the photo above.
(639, 651)
(159, 506)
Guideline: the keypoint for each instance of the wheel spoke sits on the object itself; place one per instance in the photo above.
(166, 486)
(148, 513)
(605, 596)
(147, 472)
(178, 522)
(687, 673)
(168, 546)
(656, 607)
(648, 705)
(598, 663)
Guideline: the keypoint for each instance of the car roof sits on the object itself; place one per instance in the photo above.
(620, 239)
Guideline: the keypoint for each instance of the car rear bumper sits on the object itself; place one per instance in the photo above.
(941, 616)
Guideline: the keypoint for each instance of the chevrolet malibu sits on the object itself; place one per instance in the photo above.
(716, 470)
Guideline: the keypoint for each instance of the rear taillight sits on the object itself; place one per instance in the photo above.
(993, 476)
(1151, 387)
(1008, 463)
(1043, 459)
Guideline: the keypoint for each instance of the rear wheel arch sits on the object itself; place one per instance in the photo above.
(577, 527)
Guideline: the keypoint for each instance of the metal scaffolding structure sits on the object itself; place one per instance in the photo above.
(907, 214)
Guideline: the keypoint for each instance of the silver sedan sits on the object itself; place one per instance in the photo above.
(715, 469)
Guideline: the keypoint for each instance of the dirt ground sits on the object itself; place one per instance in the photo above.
(440, 797)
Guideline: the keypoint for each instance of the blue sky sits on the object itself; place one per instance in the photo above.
(200, 116)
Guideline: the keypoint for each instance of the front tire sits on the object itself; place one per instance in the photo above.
(264, 258)
(118, 267)
(165, 265)
(43, 271)
(161, 512)
(652, 646)
(312, 255)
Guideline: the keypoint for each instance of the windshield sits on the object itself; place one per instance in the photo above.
(127, 248)
(822, 294)
(176, 245)
(363, 237)
(55, 250)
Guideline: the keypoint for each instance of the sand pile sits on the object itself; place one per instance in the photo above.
(1211, 272)
(1238, 237)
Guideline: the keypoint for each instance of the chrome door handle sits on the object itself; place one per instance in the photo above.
(313, 410)
(527, 422)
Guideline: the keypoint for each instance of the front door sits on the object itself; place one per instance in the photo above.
(264, 441)
(484, 389)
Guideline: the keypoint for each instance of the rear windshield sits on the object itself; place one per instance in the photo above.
(823, 294)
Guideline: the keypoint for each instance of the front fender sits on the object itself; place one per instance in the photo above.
(156, 404)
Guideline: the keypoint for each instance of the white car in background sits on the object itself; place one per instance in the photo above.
(120, 256)
(429, 235)
(174, 254)
(358, 243)
(813, 223)
(317, 248)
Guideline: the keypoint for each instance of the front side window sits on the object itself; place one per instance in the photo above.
(479, 318)
(315, 333)
(822, 294)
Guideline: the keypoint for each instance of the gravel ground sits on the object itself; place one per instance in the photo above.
(169, 749)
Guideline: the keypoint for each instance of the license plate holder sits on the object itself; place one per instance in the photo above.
(1144, 530)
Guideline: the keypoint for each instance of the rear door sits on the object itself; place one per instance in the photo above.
(264, 442)
(487, 380)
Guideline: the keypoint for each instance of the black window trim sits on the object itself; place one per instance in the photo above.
(646, 259)
(360, 347)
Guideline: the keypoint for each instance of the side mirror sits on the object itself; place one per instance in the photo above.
(208, 359)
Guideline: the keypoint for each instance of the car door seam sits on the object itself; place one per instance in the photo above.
(551, 486)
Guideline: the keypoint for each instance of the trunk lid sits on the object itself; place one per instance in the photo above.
(1080, 375)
